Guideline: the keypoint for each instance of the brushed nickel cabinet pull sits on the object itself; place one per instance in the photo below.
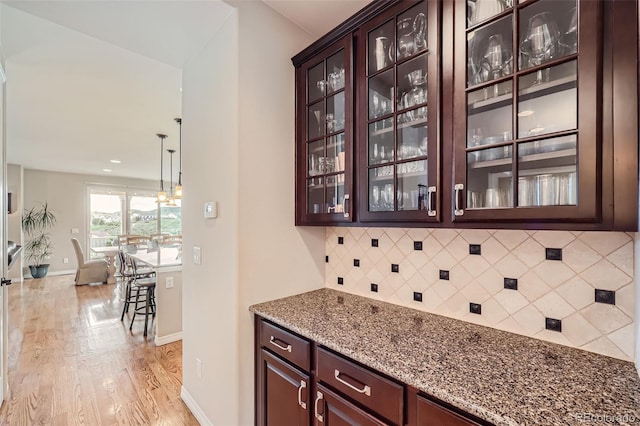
(365, 390)
(301, 403)
(272, 340)
(319, 397)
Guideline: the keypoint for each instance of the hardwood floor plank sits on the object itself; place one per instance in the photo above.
(73, 362)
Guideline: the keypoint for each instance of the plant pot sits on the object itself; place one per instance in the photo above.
(39, 271)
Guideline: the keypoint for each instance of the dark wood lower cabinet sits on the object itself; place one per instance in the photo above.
(301, 383)
(284, 394)
(429, 413)
(330, 409)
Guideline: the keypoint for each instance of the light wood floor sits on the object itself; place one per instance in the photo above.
(72, 362)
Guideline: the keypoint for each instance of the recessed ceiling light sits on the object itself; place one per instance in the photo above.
(116, 161)
(525, 113)
(107, 170)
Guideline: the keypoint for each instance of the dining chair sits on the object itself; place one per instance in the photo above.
(91, 271)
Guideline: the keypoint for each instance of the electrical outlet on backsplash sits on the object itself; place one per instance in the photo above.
(591, 290)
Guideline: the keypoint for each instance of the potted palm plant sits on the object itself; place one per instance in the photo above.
(36, 222)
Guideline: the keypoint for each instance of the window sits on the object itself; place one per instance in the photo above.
(143, 216)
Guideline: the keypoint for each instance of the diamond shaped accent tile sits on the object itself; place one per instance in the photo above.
(474, 236)
(510, 238)
(557, 239)
(606, 276)
(385, 244)
(444, 235)
(606, 318)
(532, 286)
(578, 330)
(511, 301)
(553, 306)
(530, 252)
(624, 339)
(579, 256)
(375, 232)
(626, 301)
(457, 305)
(554, 273)
(374, 275)
(623, 258)
(577, 292)
(493, 251)
(605, 242)
(431, 299)
(510, 266)
(605, 346)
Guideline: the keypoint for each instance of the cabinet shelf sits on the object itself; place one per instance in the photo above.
(386, 130)
(565, 153)
(538, 90)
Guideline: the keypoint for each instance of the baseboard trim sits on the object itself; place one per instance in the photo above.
(169, 338)
(53, 273)
(194, 407)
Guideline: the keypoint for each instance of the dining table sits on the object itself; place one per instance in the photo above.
(110, 252)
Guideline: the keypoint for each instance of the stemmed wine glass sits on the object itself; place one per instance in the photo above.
(541, 42)
(497, 59)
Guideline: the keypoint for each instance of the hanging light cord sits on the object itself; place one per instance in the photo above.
(161, 136)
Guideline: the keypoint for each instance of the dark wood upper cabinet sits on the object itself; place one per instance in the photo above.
(472, 113)
(324, 161)
(527, 110)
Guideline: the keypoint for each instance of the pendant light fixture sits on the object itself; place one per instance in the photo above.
(171, 202)
(162, 195)
(177, 193)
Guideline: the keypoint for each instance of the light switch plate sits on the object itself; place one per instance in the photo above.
(75, 231)
(197, 256)
(210, 210)
(168, 282)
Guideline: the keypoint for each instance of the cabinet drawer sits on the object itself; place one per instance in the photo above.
(380, 395)
(432, 414)
(286, 344)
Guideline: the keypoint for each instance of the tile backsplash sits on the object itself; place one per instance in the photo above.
(571, 288)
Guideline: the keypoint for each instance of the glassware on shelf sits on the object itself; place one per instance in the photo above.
(569, 39)
(420, 32)
(335, 80)
(382, 52)
(497, 61)
(412, 36)
(540, 44)
(485, 9)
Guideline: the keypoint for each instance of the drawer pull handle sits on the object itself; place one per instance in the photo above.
(365, 390)
(319, 397)
(272, 340)
(303, 385)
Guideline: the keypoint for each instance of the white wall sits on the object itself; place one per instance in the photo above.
(66, 195)
(14, 226)
(238, 144)
(210, 156)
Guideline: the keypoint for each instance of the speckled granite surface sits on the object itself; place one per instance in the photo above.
(501, 377)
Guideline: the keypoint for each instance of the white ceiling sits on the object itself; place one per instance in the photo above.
(90, 81)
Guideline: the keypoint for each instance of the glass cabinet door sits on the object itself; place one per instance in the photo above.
(324, 138)
(398, 139)
(526, 148)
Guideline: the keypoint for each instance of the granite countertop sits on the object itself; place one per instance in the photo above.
(504, 378)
